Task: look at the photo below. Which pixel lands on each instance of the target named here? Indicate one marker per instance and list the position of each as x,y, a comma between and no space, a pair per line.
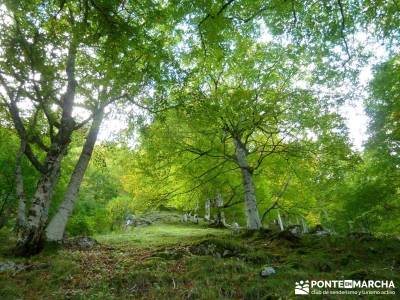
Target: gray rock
12,266
322,233
235,227
211,248
9,266
295,230
267,271
84,242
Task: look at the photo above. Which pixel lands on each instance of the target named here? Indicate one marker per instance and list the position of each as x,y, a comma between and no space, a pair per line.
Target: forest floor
167,261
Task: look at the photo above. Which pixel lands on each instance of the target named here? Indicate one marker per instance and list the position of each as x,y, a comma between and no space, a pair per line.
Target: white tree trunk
55,229
219,202
252,215
220,215
207,213
280,221
19,184
222,218
30,240
304,225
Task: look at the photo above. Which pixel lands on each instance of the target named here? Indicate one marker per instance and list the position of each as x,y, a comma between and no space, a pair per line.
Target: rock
322,233
171,254
295,230
235,227
318,230
211,249
84,242
9,266
140,222
288,236
267,271
12,266
213,246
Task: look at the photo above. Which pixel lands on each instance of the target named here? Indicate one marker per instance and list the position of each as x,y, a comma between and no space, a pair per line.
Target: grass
159,235
169,261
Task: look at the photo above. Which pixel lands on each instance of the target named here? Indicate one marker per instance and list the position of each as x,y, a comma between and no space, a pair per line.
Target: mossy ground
169,261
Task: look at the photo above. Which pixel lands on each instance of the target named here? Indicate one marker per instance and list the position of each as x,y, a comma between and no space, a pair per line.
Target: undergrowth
191,262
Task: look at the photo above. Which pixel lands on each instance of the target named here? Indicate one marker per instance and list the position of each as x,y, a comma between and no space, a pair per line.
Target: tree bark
252,215
304,225
219,216
219,203
19,188
30,240
280,221
5,209
56,228
207,212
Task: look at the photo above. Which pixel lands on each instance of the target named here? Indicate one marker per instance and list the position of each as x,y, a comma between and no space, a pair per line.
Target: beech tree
57,59
241,109
65,63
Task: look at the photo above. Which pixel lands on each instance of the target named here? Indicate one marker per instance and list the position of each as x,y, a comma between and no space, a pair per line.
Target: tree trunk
219,201
30,240
280,221
252,215
19,188
304,225
56,228
5,210
207,212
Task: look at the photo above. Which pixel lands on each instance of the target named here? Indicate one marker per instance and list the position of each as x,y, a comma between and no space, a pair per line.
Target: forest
220,149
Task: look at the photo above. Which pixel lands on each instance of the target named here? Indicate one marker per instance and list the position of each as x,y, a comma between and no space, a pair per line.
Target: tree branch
342,29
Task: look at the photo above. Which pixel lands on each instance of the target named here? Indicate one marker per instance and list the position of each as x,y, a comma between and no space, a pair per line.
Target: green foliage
8,150
118,209
99,189
200,75
371,194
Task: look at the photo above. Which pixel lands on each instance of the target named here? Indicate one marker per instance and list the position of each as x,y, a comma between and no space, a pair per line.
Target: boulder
318,230
227,253
83,242
288,235
322,233
140,222
295,230
267,271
